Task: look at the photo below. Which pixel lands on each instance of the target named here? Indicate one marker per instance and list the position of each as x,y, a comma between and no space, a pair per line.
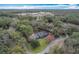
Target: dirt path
53,43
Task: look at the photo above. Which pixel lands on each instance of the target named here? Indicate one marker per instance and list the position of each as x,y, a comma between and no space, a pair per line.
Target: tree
71,29
17,49
24,27
35,44
71,45
71,18
56,50
5,22
4,42
19,42
17,38
27,29
4,49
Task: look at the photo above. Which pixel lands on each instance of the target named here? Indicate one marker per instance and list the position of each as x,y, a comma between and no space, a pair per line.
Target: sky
39,6
39,1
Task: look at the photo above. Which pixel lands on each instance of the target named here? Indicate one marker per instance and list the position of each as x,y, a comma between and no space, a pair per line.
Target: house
38,35
42,34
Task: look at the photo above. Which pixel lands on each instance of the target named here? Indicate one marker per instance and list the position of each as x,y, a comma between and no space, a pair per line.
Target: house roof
38,35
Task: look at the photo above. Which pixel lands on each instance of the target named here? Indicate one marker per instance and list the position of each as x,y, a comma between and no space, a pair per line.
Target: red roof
50,37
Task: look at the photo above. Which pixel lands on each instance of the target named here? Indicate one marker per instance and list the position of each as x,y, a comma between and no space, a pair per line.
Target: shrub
35,44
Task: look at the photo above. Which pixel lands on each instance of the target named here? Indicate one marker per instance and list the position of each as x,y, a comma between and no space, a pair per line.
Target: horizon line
39,6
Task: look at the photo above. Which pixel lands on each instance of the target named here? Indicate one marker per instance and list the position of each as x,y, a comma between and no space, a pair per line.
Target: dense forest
39,31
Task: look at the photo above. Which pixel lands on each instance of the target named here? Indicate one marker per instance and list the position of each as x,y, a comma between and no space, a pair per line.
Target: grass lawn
43,43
